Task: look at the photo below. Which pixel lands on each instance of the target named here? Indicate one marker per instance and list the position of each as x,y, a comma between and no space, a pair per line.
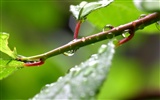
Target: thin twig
84,41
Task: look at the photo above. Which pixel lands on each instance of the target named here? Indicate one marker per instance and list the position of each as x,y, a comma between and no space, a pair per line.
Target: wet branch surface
84,41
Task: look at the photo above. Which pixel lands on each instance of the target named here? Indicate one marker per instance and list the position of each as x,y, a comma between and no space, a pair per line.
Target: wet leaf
148,5
4,45
9,66
118,13
82,81
84,8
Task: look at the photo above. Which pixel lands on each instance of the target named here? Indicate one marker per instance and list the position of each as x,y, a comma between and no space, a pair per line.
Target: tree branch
84,41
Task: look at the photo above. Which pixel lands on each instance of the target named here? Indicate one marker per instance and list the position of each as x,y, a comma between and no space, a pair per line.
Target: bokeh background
37,26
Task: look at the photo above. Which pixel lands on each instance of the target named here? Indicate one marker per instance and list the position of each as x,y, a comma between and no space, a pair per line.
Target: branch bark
84,41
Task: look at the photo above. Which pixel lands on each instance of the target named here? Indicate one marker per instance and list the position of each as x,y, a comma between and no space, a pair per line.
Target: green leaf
9,66
118,13
148,5
4,45
82,81
84,8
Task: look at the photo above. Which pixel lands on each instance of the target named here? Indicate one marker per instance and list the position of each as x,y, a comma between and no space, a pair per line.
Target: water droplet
115,41
126,33
110,36
102,48
60,78
92,63
141,26
88,72
142,16
69,53
94,56
107,27
75,69
46,88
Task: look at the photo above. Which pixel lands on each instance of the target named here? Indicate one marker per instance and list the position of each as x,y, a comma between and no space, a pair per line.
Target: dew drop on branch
107,28
102,49
69,53
125,34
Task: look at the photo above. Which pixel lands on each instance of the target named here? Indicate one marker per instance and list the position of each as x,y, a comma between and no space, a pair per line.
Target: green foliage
118,13
82,10
4,45
83,81
9,66
124,78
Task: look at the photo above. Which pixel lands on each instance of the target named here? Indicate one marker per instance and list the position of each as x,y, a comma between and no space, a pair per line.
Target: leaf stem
76,31
84,41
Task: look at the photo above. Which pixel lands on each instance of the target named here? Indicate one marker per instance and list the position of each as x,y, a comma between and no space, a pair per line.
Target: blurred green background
42,25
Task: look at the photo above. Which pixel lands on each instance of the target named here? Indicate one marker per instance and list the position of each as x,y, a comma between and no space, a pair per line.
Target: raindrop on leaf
88,72
102,48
